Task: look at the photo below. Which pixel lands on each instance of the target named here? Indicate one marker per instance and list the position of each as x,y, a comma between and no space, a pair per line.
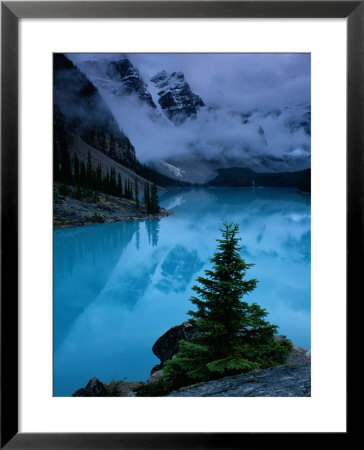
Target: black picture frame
11,13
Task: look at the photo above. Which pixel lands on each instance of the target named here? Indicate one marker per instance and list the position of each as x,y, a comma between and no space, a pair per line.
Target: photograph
181,225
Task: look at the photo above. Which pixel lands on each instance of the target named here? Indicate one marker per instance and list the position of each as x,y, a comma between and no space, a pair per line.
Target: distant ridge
244,177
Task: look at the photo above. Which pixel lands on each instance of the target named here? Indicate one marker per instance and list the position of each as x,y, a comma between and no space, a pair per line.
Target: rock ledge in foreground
281,381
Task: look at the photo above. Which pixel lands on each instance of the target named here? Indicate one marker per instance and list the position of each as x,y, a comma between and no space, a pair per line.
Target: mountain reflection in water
119,286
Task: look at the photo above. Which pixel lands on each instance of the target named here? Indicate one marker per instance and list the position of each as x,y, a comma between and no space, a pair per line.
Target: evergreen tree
66,170
154,202
120,186
78,194
82,173
89,170
106,182
233,336
125,189
98,184
76,170
147,197
136,193
59,142
113,189
56,164
130,190
56,167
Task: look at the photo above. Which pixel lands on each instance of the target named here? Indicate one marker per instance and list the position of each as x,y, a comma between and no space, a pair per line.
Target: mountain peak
121,69
118,77
176,98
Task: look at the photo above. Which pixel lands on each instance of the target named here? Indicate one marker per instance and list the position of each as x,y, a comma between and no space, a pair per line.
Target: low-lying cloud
214,135
252,124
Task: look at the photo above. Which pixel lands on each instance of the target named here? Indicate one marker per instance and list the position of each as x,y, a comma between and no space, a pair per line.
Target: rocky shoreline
290,380
280,381
100,208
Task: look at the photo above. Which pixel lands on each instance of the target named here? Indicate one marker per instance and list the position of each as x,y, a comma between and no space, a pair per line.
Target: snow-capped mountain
176,99
129,80
118,78
175,132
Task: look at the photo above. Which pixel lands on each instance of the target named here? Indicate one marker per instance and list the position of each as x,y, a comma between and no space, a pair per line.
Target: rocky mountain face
118,78
176,99
130,80
80,110
177,134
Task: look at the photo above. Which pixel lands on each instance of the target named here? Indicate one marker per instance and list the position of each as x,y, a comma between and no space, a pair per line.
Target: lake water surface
120,286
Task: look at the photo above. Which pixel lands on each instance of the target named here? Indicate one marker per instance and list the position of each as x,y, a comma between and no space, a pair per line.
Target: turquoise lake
118,287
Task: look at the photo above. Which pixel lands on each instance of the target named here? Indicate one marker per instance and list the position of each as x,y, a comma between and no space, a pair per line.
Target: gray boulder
122,389
167,345
155,376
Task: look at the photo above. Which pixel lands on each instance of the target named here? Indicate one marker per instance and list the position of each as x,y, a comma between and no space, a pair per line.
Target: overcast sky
238,81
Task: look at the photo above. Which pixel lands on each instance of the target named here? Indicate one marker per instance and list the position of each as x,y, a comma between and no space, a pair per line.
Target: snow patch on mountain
154,94
176,171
